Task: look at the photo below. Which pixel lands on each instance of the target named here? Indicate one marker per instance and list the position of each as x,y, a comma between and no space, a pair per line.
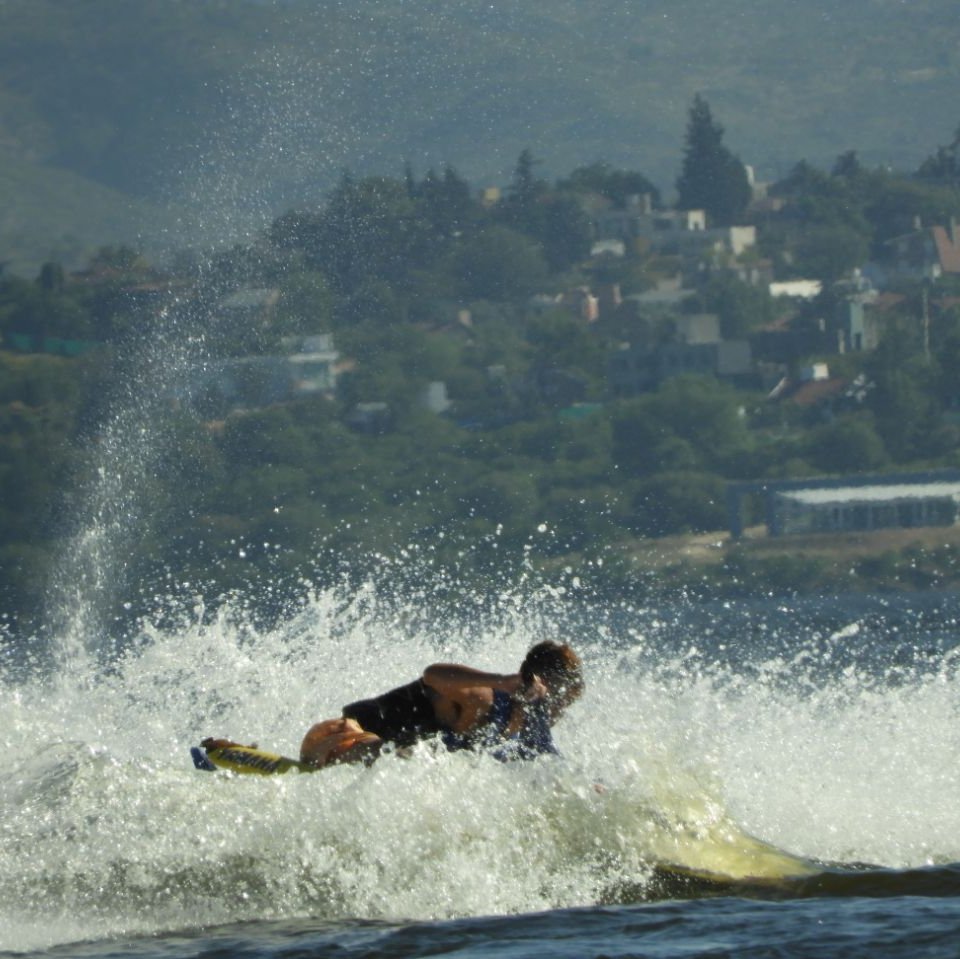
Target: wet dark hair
557,665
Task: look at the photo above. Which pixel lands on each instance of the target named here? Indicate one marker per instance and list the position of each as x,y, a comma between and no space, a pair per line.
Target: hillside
240,109
50,213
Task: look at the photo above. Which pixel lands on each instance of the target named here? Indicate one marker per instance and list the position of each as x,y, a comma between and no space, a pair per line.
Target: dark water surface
902,926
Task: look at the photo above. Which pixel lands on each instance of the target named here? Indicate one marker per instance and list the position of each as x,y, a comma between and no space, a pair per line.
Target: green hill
54,214
238,109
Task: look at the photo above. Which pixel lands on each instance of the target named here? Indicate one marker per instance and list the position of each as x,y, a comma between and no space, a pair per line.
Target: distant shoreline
713,565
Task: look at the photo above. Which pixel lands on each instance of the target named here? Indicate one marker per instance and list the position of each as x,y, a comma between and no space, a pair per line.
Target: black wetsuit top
403,715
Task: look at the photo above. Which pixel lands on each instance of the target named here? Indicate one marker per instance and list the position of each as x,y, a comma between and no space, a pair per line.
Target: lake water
710,738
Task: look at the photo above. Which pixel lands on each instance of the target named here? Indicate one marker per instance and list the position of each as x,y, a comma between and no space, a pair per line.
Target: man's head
558,667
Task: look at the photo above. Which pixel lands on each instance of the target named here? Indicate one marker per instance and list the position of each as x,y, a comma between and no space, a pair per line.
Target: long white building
858,508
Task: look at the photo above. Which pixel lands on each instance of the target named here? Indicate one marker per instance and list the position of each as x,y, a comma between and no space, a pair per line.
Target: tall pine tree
521,208
712,178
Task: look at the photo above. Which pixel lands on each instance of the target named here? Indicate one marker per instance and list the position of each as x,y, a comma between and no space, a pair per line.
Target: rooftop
872,494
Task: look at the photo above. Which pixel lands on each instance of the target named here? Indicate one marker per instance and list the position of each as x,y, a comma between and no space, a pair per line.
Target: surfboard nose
200,760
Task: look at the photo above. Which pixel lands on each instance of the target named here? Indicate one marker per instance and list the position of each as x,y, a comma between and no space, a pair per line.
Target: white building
670,231
860,508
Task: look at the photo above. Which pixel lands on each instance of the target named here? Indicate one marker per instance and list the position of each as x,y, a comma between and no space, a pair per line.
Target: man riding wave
509,714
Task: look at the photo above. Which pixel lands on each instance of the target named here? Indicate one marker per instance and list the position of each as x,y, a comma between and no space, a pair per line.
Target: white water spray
107,829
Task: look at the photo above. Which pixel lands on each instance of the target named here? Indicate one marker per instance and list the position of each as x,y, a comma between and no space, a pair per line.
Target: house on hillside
666,295
786,341
250,305
309,366
579,301
435,398
312,363
682,232
853,325
697,328
610,248
856,328
796,289
757,273
924,253
815,390
695,346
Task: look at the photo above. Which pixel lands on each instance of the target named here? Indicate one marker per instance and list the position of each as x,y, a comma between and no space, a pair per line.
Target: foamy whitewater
837,744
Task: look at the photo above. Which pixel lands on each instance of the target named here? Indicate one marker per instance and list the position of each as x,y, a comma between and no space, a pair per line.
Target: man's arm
453,680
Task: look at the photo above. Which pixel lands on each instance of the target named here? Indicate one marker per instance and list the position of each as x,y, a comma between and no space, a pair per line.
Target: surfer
510,714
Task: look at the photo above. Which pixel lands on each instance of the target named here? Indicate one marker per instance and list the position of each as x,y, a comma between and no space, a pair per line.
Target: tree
562,341
712,178
691,422
905,411
945,345
804,178
943,166
895,203
704,411
679,502
554,219
40,309
444,202
443,211
847,165
52,277
524,192
850,444
306,305
566,235
828,253
616,185
367,231
499,264
523,207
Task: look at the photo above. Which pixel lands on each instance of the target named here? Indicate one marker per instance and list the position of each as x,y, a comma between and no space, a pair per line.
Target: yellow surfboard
213,754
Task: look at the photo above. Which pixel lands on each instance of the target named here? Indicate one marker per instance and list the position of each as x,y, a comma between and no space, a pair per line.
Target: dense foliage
419,282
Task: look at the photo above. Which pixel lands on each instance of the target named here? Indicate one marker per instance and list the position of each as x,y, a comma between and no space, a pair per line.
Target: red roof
887,301
947,250
815,391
